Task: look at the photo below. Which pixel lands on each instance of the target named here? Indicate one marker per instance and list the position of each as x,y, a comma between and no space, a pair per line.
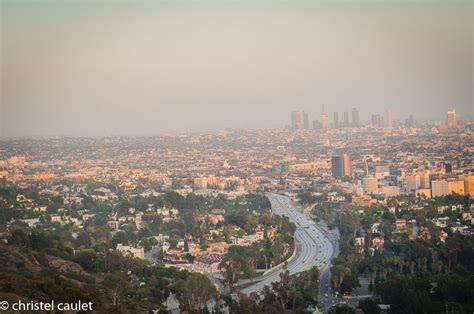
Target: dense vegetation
113,283
414,274
65,263
296,293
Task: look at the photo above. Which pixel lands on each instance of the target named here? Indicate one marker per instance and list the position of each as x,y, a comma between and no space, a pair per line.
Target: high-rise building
347,165
355,117
305,120
413,182
336,120
325,123
341,165
425,179
407,123
388,121
296,120
345,120
369,184
412,121
442,128
317,125
451,118
337,166
377,121
324,119
439,188
445,187
456,186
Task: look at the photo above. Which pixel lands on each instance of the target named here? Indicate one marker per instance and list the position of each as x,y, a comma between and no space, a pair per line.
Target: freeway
325,297
314,246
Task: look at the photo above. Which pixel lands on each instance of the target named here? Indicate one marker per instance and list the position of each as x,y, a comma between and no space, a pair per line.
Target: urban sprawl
332,215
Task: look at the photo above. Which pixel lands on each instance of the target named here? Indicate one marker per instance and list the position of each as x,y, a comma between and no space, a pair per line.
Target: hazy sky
142,68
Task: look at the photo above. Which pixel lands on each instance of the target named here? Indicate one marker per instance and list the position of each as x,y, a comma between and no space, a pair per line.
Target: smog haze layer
95,68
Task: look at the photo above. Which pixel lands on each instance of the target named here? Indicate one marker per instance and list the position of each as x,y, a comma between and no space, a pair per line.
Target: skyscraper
341,165
317,125
296,120
388,123
346,119
451,118
324,119
355,117
412,121
337,166
377,121
347,165
305,120
336,120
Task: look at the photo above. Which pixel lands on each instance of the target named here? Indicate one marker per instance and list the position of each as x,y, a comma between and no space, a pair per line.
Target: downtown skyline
307,121
313,120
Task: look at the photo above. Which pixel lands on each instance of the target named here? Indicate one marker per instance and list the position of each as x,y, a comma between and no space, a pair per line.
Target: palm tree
294,295
452,247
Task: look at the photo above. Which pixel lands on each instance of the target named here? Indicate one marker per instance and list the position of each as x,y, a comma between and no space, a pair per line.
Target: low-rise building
138,252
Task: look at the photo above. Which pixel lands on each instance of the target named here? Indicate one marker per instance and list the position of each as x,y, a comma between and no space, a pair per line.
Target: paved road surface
314,246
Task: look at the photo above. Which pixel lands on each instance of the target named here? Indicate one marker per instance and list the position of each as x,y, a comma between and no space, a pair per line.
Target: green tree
118,285
369,306
196,291
341,309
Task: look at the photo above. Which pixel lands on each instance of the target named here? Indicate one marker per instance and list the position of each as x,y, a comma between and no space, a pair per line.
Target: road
150,255
325,297
314,245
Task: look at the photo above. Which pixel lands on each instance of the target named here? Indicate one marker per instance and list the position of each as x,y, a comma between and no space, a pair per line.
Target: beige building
205,181
309,166
451,119
55,218
369,185
413,182
456,186
390,190
347,165
439,188
131,251
425,180
446,187
423,192
469,185
363,200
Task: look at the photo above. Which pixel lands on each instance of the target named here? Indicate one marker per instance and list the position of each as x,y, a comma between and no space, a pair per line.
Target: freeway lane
314,246
325,297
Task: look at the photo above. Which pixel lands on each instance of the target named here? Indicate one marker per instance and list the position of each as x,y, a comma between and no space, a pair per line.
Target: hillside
29,275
